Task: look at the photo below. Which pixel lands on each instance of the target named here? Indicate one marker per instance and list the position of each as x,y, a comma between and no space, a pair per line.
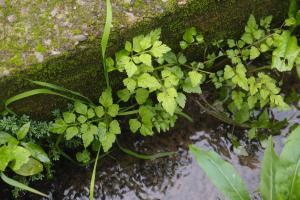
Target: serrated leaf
254,53
130,84
141,95
83,157
69,117
59,126
113,110
22,132
168,101
114,127
80,108
222,174
228,72
123,94
195,78
134,125
99,110
146,59
106,99
181,100
71,132
148,81
158,49
189,35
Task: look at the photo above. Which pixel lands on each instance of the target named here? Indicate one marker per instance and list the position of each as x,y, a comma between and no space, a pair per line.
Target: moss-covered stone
78,66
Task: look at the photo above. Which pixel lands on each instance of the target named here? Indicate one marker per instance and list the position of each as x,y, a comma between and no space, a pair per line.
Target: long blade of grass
143,156
59,88
92,184
33,93
17,184
105,38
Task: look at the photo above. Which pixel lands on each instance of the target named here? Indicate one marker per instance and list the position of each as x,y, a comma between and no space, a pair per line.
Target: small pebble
79,38
11,18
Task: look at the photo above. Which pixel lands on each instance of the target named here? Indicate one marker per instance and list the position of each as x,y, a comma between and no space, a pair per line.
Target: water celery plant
156,86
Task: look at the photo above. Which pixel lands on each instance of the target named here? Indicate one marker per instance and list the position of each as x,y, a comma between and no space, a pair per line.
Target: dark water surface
175,178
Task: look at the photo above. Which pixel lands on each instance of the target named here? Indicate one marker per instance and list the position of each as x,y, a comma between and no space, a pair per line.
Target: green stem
259,69
128,113
92,184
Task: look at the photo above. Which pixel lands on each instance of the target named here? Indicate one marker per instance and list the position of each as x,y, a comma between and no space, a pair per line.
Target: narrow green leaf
92,184
268,171
221,173
22,132
22,186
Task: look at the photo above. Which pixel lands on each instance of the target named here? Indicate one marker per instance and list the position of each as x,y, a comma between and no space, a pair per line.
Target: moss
80,69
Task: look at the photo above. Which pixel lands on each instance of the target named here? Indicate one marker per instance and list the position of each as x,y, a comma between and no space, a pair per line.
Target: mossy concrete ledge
58,41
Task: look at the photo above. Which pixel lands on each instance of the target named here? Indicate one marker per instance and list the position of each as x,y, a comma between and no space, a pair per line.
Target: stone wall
58,41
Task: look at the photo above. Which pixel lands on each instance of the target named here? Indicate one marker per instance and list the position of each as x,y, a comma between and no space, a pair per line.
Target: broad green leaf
268,171
80,108
106,99
30,168
69,117
146,114
22,132
146,59
82,119
285,54
88,135
37,152
242,115
134,125
189,34
145,42
20,156
222,174
288,174
5,158
148,81
141,95
168,100
113,110
128,46
188,87
195,77
155,35
146,130
108,141
71,132
99,110
181,100
6,138
124,94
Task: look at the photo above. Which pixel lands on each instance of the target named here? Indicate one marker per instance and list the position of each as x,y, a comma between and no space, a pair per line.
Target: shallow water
175,178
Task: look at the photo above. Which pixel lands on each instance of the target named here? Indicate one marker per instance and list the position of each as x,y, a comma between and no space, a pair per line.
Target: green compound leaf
221,173
285,54
114,127
168,100
59,126
106,99
22,132
134,125
141,95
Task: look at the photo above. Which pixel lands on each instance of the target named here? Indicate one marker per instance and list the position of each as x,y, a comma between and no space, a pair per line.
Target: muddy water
175,178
